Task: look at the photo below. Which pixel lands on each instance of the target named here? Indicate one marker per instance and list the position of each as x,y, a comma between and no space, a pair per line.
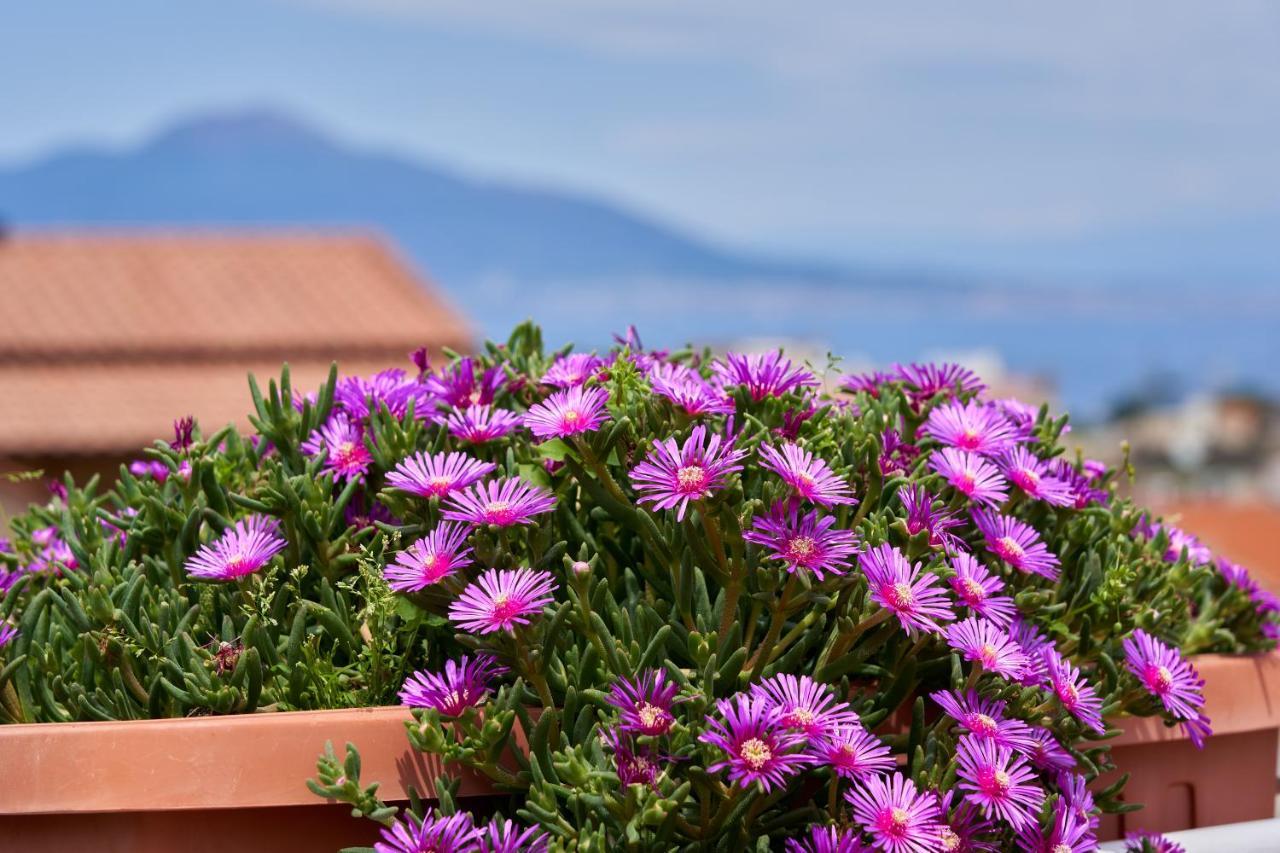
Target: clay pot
201,784
1231,780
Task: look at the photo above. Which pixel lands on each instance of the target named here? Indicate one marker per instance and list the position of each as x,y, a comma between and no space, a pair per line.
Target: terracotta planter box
1233,779
200,784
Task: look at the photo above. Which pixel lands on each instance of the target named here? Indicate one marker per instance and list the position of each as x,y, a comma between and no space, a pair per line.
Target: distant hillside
261,168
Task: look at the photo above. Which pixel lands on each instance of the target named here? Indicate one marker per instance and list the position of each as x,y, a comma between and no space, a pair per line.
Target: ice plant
569,412
925,380
635,764
431,834
1074,692
480,423
459,387
998,782
828,839
7,633
757,748
500,599
972,475
1031,474
924,517
974,426
507,836
437,475
809,477
1017,543
340,442
976,588
904,589
1046,753
501,503
674,474
1065,834
431,559
644,702
686,389
241,550
851,751
985,719
572,370
1165,674
986,643
463,684
1150,842
809,542
805,705
763,374
898,817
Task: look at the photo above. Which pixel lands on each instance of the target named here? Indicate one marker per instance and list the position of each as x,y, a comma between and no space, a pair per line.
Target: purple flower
458,387
810,477
984,718
434,834
902,588
241,550
502,503
922,516
971,475
869,383
1046,753
1142,841
437,475
763,375
689,391
1067,834
998,782
1017,543
1031,474
569,412
852,752
500,599
507,836
143,468
963,828
1034,645
979,427
1076,793
1079,485
462,685
1074,692
480,423
341,443
183,433
673,474
805,705
757,747
644,702
899,818
1179,541
925,380
976,587
982,641
1165,674
803,542
7,634
391,388
569,371
896,455
1197,730
827,839
431,559
635,765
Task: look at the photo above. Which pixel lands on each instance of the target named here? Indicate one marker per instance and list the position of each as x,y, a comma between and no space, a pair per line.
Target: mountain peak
262,127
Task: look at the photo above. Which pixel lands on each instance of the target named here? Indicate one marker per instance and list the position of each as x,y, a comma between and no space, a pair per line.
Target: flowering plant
719,602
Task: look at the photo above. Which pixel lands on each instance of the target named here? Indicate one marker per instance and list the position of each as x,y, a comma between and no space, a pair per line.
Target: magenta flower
437,475
569,412
803,542
569,371
1165,674
1031,474
635,765
899,818
500,599
998,782
982,641
1142,841
810,477
1074,692
827,839
900,587
673,474
984,718
1179,541
763,375
976,587
925,380
479,424
341,443
1067,834
462,685
434,833
241,550
963,830
971,475
805,705
1017,543
391,388
896,455
1080,486
144,468
757,747
1046,753
644,702
686,389
1076,793
922,516
1034,645
868,383
507,836
458,387
502,503
7,634
979,427
852,752
431,559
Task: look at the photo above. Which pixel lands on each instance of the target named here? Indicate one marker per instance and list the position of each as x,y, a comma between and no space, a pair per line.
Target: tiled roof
109,337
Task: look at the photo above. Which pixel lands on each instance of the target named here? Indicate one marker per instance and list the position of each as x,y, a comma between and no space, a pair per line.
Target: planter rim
228,762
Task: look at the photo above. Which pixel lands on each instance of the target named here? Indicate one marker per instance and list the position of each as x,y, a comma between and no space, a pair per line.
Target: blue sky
988,134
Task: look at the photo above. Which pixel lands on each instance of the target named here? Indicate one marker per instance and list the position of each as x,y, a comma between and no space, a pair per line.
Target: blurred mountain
266,168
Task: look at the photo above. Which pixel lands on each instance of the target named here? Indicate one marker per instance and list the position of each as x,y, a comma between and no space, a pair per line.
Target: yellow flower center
755,753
